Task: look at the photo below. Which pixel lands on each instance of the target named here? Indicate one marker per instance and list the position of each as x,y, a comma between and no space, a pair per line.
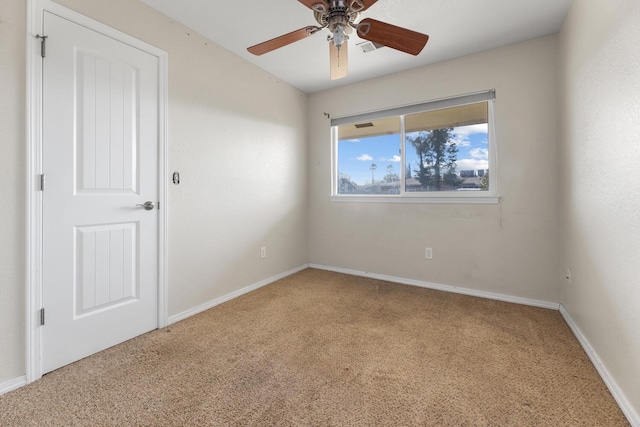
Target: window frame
490,196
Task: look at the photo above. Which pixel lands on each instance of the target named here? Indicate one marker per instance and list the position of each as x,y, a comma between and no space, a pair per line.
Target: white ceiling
455,27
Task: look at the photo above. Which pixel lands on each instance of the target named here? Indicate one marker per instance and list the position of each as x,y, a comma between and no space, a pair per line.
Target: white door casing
100,141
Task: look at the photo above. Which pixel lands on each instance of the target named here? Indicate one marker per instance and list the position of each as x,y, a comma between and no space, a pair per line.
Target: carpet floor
325,349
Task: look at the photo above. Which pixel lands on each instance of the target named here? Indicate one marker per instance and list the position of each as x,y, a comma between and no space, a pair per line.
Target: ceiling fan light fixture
339,37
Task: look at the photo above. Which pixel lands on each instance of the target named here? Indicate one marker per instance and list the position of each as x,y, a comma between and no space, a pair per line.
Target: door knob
147,205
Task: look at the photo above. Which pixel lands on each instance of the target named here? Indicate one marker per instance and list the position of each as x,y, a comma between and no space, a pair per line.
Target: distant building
347,187
467,174
481,172
472,182
412,184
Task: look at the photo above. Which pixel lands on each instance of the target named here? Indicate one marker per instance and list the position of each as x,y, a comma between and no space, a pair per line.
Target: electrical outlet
428,253
567,275
263,252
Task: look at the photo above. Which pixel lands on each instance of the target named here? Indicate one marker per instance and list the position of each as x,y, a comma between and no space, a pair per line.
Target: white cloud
465,131
461,141
472,164
479,153
461,134
395,159
364,158
355,141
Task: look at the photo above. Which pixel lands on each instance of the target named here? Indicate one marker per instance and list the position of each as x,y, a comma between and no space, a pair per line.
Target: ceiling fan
339,17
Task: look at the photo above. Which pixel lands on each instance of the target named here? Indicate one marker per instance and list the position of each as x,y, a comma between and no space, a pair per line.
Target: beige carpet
325,349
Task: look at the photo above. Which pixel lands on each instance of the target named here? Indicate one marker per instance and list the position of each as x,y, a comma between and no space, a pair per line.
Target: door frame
34,208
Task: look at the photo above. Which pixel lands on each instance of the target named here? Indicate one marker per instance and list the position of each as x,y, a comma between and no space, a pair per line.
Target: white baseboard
618,395
228,297
439,287
13,384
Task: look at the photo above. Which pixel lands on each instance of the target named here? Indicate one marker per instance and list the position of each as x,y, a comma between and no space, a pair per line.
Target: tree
373,168
391,175
484,181
437,155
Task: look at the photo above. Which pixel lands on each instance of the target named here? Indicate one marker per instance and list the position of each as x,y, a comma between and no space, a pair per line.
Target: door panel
106,269
107,102
100,158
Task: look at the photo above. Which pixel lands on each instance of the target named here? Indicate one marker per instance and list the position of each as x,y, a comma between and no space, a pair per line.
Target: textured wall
13,19
600,110
510,248
237,135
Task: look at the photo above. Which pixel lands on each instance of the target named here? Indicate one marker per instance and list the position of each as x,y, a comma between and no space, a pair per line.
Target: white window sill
485,199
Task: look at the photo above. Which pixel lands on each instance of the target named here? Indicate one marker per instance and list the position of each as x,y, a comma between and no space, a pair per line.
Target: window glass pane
448,149
369,157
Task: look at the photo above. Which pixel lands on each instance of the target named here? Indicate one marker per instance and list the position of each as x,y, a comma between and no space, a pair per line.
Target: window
439,151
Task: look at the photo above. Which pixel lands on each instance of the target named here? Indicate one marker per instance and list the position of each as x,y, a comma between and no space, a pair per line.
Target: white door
100,160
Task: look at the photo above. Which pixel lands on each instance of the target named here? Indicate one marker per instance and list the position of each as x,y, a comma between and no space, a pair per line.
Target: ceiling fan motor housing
338,14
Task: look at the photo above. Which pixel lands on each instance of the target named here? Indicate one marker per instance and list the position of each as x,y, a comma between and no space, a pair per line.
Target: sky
355,156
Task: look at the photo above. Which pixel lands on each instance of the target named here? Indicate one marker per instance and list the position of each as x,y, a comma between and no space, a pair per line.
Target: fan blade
339,60
391,36
284,40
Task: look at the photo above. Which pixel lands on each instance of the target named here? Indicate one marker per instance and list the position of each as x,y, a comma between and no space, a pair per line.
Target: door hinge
42,182
42,316
43,44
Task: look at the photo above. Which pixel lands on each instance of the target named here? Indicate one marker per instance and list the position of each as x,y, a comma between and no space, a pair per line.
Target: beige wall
13,18
236,134
600,115
510,248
